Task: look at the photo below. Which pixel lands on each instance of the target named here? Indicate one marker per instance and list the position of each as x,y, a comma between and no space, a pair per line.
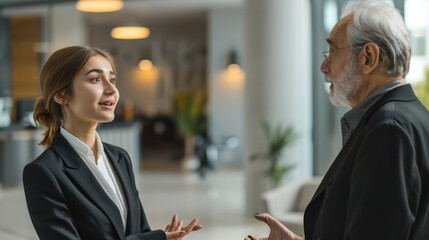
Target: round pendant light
130,32
99,6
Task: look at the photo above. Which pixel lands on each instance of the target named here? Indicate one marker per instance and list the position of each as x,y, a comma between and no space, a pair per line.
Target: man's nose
324,67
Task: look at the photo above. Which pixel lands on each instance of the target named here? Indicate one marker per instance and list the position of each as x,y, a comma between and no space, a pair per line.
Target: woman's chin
107,119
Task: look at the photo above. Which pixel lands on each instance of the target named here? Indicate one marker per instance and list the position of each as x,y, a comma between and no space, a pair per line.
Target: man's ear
370,55
60,98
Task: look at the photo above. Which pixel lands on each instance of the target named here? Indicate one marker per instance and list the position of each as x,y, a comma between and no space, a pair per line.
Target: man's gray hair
380,23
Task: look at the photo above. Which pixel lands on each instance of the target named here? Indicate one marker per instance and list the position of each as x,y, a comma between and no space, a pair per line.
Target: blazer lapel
85,180
119,165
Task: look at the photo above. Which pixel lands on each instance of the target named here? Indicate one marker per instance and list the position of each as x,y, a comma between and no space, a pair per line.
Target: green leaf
277,139
189,111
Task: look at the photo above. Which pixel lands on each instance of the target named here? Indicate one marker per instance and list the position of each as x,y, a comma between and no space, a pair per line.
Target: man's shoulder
398,113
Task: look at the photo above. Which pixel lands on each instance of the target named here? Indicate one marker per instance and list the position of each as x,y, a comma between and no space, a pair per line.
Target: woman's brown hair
57,76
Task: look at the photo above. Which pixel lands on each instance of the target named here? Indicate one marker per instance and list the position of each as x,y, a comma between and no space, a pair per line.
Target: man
378,186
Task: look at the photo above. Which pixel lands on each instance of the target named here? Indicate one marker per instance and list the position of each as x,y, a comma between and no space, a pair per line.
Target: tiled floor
217,201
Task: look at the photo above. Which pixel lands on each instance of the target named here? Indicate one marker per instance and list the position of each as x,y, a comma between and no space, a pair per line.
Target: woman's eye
113,81
96,79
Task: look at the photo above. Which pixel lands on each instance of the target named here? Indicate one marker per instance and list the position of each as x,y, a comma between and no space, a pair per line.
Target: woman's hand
176,231
277,230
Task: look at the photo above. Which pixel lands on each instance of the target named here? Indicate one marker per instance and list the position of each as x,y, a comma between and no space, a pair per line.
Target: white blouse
101,169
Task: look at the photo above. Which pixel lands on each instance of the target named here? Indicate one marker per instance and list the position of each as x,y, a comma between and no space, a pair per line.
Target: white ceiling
140,11
144,11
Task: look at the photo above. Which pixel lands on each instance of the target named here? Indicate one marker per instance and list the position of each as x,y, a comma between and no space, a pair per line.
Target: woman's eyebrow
97,70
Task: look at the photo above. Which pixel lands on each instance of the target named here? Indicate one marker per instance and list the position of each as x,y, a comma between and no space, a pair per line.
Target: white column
67,27
226,89
277,50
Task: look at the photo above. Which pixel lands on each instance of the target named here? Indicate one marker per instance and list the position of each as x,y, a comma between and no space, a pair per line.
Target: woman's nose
110,88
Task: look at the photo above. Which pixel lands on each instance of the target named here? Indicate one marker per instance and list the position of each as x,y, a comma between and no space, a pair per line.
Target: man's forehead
339,30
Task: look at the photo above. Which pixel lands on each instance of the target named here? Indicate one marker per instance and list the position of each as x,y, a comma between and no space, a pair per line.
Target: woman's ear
370,57
60,98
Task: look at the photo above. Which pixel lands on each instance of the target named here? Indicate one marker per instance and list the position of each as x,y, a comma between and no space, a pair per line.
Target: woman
79,187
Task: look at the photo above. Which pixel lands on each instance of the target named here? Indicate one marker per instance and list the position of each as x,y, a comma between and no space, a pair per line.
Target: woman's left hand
176,231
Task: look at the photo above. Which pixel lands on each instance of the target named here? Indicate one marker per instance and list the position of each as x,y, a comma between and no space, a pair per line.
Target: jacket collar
82,176
403,93
125,178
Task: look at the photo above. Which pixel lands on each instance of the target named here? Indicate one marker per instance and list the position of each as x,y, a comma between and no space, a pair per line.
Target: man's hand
277,230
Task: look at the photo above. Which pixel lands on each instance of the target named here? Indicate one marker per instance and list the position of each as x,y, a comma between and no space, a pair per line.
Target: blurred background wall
275,44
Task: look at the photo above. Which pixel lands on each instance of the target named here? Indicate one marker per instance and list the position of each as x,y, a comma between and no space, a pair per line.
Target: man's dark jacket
378,186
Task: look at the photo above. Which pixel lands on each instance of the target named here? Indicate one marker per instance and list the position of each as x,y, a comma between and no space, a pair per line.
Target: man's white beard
345,85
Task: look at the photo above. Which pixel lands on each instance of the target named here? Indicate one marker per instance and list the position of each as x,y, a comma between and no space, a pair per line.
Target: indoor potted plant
277,139
189,111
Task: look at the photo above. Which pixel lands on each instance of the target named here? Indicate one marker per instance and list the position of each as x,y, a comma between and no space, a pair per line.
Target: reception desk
19,145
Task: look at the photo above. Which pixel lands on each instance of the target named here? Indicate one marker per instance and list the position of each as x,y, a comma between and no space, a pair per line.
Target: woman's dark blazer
378,186
65,200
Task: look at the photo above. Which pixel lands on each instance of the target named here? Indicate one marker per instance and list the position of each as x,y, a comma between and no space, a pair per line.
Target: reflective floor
217,201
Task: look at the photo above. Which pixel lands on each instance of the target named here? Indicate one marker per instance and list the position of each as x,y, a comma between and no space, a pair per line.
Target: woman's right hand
277,230
176,231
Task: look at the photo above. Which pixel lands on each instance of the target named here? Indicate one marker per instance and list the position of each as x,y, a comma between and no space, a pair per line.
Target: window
416,20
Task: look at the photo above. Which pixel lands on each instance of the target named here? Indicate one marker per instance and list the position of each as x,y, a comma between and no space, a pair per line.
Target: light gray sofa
288,202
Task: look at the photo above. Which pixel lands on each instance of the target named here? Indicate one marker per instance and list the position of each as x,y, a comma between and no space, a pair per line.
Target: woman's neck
86,134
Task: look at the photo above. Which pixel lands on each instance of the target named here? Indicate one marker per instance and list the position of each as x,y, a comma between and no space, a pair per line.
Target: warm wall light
130,32
98,6
233,66
145,65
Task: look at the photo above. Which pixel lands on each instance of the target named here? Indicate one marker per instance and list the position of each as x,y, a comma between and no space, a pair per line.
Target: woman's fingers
193,226
179,226
197,227
175,234
174,222
176,225
173,226
190,225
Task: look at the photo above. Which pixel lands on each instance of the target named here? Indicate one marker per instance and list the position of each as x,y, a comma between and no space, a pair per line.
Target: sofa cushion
305,194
